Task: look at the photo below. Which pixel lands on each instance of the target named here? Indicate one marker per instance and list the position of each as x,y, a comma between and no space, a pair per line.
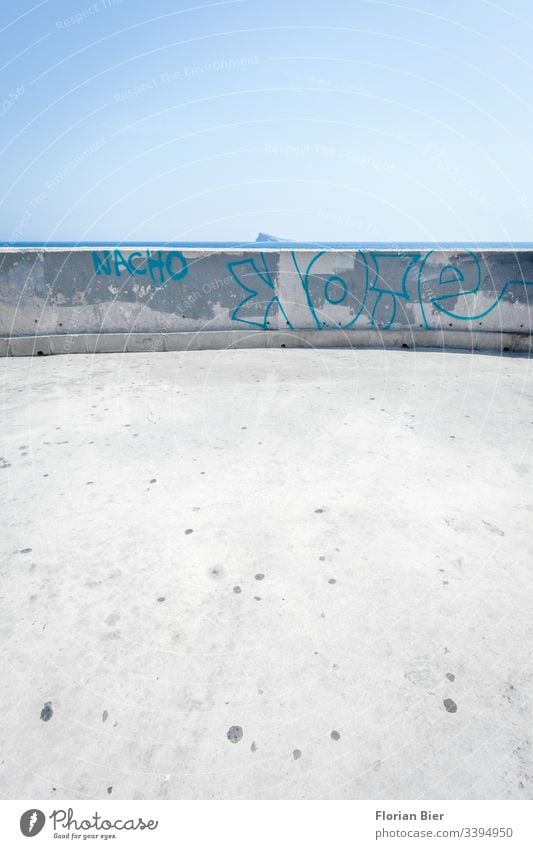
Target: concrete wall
59,299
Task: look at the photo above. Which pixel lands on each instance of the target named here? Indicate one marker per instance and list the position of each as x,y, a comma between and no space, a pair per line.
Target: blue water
282,244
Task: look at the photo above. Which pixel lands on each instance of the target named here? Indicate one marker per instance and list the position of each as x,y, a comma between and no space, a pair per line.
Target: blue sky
359,120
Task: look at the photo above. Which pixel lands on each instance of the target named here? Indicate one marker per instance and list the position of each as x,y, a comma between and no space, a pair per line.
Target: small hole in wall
283,345
40,353
405,345
35,320
506,349
450,324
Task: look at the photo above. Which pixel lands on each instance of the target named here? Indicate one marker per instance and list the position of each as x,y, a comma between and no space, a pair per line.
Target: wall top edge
209,247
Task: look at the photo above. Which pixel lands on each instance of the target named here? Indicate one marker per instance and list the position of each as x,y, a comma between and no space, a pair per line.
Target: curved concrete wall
55,300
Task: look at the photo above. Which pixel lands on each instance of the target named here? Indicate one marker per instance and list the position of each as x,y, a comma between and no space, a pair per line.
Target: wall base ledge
102,343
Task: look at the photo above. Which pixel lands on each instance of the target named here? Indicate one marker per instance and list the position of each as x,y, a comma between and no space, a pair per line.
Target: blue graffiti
378,283
259,284
467,284
335,289
160,266
386,293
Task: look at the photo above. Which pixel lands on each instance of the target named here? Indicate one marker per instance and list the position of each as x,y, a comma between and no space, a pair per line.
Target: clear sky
320,120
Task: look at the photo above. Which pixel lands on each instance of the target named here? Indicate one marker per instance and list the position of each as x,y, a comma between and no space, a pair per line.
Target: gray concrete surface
211,340
61,295
267,574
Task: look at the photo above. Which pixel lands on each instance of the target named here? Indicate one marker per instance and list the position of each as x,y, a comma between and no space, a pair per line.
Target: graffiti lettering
160,266
259,284
380,289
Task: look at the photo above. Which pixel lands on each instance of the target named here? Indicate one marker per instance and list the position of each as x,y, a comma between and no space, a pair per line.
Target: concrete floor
330,551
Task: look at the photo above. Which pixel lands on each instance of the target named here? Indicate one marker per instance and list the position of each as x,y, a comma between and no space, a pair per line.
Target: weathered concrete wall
391,295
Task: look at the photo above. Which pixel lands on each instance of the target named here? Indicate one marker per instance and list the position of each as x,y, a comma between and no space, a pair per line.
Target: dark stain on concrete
332,581
259,576
234,734
47,712
320,510
494,529
237,589
296,754
450,705
25,550
450,676
161,598
335,735
188,530
104,716
253,747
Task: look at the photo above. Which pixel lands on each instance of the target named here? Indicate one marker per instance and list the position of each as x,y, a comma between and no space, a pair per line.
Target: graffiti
378,289
173,289
391,277
325,292
259,284
160,266
467,286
